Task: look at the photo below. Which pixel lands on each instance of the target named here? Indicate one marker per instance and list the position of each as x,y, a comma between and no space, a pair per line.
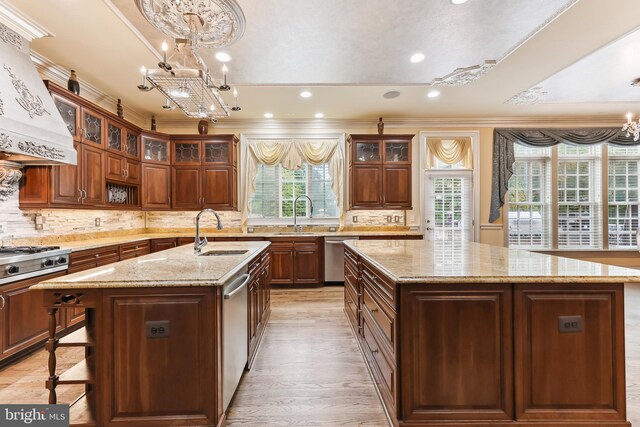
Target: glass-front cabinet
367,152
397,151
186,153
132,145
92,128
70,113
216,152
114,137
155,150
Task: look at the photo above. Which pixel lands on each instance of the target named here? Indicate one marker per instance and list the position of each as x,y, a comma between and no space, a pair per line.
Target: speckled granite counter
175,267
422,261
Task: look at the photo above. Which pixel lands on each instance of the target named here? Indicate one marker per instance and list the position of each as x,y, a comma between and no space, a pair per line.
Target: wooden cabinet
66,185
258,300
93,127
92,175
380,171
204,172
24,324
122,140
155,148
134,249
156,185
69,110
296,261
122,169
91,258
158,245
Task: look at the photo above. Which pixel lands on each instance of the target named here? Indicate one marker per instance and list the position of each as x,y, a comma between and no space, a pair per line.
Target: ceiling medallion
219,23
529,96
463,76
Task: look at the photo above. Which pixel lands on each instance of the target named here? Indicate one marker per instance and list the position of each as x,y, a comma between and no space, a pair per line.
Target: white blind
530,216
579,197
624,167
277,188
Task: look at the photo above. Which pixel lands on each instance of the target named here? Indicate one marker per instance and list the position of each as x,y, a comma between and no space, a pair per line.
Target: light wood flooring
308,371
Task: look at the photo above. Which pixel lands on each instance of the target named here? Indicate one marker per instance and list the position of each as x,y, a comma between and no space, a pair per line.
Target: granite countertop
423,261
174,267
77,245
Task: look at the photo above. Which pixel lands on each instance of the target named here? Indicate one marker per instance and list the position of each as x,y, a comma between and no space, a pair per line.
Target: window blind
624,167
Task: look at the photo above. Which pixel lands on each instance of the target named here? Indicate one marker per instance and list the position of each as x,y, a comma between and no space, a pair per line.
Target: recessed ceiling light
391,94
433,94
319,115
223,57
417,57
268,116
305,94
458,1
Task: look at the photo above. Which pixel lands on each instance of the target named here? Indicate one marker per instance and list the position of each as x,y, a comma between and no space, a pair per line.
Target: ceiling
349,55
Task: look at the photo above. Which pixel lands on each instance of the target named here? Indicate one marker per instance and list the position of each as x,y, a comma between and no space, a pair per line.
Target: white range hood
31,128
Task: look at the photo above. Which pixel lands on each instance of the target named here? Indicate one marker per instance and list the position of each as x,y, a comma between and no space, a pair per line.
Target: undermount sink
292,233
224,252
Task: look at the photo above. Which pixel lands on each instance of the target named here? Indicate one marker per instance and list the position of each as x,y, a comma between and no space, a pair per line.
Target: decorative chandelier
183,78
631,127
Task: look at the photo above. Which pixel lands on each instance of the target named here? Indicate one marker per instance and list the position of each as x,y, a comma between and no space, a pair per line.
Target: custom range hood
31,128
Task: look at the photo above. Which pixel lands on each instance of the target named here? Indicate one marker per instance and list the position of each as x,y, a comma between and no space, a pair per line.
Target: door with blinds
449,205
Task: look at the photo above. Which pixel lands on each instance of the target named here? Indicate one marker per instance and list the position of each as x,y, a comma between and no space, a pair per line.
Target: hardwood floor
308,371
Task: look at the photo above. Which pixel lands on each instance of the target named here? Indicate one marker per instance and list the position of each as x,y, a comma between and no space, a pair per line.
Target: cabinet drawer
91,258
384,287
383,370
382,316
351,258
350,275
351,307
134,249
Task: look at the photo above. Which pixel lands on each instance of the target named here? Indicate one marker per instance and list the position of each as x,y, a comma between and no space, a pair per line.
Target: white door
449,205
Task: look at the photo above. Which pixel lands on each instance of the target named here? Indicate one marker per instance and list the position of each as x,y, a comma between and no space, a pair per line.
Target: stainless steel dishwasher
234,333
334,258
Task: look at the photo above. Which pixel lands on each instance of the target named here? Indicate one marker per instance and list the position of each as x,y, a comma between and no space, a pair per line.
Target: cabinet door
252,321
115,137
282,264
217,185
186,190
155,150
397,150
367,151
66,183
306,264
132,144
24,319
156,184
115,170
366,188
216,153
70,113
186,153
93,176
158,245
34,185
132,171
93,128
396,187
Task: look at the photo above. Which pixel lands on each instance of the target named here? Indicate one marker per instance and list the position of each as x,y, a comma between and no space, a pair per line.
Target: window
449,205
623,196
277,188
571,210
530,199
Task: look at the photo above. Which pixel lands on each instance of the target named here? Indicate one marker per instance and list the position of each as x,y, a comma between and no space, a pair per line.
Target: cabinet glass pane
114,137
132,144
396,152
155,150
69,115
187,153
92,128
216,153
367,152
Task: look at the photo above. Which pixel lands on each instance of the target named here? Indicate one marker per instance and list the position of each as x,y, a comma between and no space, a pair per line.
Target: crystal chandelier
183,78
631,127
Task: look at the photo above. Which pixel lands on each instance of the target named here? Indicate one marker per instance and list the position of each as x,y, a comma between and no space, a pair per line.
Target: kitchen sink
224,252
292,233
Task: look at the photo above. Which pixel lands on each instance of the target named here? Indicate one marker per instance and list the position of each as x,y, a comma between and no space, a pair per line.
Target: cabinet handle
122,174
375,351
96,256
373,310
3,302
80,196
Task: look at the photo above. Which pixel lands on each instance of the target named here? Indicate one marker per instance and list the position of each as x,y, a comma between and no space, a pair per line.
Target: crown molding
13,18
189,126
57,74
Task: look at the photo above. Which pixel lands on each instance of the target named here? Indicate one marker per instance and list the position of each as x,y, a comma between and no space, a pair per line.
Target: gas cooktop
20,250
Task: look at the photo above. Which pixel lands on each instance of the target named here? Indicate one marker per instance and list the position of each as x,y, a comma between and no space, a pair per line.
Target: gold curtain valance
450,151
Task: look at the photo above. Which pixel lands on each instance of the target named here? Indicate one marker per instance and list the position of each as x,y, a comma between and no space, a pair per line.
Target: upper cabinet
155,148
93,128
70,113
380,171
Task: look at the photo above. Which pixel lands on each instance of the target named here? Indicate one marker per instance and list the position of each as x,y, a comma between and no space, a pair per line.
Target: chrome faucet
201,243
297,227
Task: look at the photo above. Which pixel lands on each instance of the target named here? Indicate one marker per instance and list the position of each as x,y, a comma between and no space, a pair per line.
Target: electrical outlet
250,229
569,324
158,328
354,218
396,218
333,229
97,221
38,220
388,218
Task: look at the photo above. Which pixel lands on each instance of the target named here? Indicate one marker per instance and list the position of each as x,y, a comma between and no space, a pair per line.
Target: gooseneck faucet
297,227
201,243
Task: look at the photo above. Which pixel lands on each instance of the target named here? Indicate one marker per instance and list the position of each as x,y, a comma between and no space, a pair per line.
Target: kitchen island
460,334
157,334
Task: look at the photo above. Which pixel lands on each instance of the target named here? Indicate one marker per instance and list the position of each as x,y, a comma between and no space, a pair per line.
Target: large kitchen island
466,334
167,335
